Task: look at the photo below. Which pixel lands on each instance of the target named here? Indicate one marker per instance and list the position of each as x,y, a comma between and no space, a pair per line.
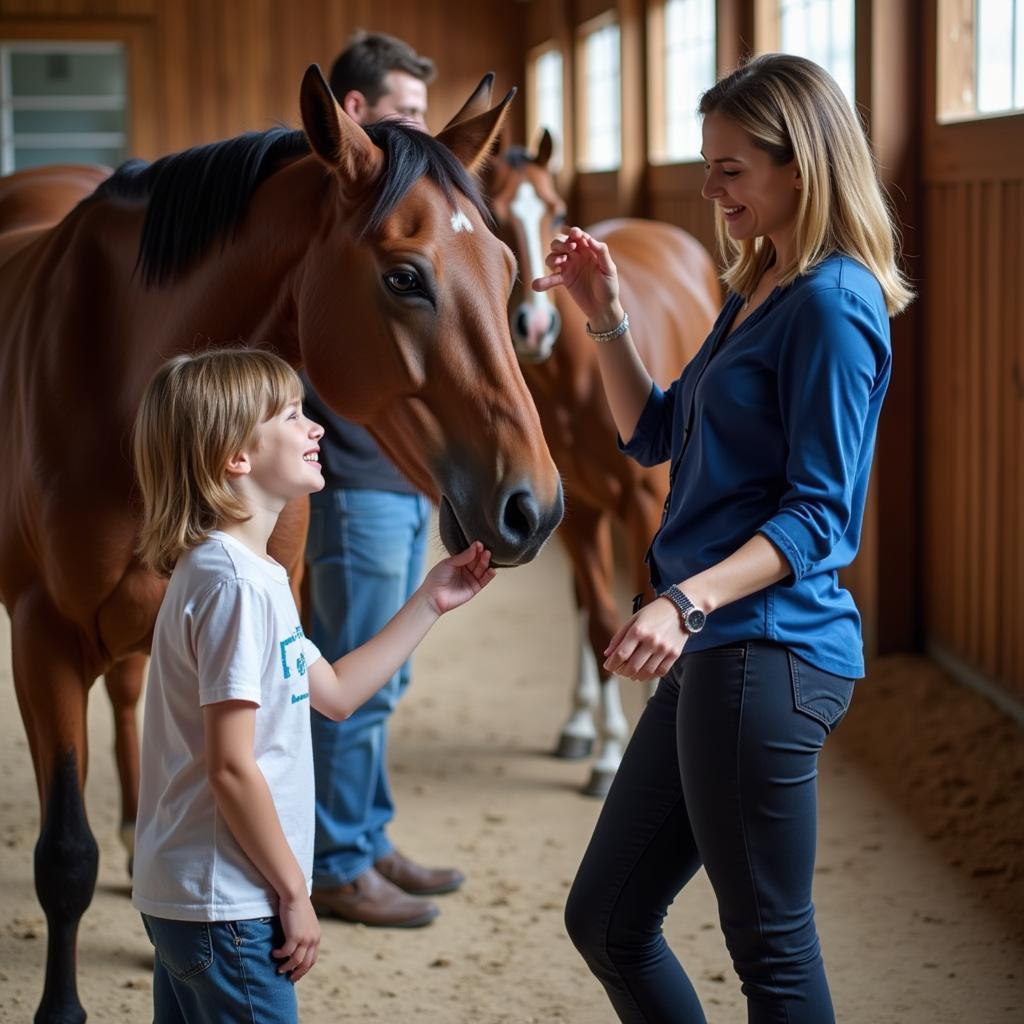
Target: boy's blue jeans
219,972
365,553
721,772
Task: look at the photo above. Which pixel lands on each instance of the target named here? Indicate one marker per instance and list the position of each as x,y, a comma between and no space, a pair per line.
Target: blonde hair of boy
197,412
794,110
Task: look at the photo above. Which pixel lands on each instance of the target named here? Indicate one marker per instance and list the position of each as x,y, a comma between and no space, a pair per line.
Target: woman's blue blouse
771,430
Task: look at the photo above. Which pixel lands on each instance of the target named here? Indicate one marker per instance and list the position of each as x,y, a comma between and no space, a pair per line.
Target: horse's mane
201,194
518,156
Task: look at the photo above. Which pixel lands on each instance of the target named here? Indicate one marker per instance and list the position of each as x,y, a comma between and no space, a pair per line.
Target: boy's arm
337,690
244,799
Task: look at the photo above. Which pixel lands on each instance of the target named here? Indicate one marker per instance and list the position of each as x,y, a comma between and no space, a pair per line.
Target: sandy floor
919,885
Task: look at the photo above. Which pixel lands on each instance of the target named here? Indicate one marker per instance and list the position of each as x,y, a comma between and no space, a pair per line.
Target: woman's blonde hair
197,412
794,110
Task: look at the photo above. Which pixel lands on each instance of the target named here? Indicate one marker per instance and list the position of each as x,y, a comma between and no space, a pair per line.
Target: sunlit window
547,105
822,31
980,58
683,64
999,55
601,148
62,102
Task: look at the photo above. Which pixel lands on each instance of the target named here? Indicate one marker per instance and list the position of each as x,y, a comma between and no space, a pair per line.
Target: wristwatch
690,615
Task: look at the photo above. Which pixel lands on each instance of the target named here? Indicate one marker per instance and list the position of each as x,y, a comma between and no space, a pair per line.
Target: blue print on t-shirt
300,660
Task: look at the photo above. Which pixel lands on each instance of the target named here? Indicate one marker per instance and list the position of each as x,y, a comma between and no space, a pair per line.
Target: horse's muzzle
514,530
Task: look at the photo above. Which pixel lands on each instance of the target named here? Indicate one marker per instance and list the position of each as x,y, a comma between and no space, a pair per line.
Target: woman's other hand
648,644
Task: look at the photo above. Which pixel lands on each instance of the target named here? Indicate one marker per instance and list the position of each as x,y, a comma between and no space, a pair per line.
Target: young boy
224,839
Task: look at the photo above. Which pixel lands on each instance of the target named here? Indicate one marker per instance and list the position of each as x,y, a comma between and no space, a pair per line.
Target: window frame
986,148
581,142
143,123
10,140
956,66
656,84
559,158
768,37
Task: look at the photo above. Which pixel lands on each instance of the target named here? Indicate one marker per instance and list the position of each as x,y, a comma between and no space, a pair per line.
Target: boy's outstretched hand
455,580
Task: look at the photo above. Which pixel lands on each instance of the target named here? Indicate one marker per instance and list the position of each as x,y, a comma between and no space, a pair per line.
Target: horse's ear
471,140
336,139
477,103
545,148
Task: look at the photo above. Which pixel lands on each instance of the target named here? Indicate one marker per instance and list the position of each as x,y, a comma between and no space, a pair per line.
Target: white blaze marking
460,222
528,208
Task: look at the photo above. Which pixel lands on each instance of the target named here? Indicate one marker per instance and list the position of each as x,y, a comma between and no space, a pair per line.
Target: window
62,102
546,103
682,62
601,145
821,30
981,58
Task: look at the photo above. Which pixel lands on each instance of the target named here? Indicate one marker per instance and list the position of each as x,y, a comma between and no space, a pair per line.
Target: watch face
695,620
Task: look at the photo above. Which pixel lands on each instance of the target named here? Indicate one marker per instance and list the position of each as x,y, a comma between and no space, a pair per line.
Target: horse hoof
599,783
573,748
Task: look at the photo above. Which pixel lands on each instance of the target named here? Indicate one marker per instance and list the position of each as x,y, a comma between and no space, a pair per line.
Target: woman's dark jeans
721,772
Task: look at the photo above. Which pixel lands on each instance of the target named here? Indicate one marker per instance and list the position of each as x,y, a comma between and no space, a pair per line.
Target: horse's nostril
522,324
520,516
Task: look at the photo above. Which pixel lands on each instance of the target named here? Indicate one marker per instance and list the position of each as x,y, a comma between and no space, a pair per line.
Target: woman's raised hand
584,267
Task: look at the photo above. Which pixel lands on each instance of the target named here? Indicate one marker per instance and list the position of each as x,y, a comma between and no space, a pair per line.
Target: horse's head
402,323
528,211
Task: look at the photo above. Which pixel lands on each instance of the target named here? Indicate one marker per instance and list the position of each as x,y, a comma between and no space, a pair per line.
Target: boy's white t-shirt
228,629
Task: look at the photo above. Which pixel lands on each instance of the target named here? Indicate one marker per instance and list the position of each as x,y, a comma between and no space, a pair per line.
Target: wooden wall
205,69
973,386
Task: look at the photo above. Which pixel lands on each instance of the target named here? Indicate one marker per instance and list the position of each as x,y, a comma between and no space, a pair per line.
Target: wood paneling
219,68
973,388
974,426
674,196
888,81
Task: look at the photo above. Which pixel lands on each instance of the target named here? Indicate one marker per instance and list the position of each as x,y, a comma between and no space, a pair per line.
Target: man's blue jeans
721,771
219,972
365,557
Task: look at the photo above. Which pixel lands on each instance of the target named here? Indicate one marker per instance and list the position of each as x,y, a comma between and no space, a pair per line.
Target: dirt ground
919,882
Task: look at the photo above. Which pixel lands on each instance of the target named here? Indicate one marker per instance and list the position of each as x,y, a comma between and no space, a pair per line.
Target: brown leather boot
417,880
371,899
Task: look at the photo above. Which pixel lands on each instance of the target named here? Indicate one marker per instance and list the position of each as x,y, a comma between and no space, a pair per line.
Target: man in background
365,553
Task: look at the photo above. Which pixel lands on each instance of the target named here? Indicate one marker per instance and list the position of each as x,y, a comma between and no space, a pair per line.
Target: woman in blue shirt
769,432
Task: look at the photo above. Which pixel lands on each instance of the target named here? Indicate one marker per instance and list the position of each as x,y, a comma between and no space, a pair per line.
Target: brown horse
362,254
670,285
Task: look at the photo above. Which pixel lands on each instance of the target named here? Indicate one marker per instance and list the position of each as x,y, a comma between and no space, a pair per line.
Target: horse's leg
124,685
576,739
52,677
587,535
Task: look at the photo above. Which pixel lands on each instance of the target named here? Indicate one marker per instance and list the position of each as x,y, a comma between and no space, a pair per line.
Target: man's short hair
366,60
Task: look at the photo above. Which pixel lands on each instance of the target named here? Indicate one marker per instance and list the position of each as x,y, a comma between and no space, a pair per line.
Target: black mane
201,194
518,156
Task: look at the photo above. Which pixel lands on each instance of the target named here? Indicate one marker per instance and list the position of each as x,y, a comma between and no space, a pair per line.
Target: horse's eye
402,282
557,220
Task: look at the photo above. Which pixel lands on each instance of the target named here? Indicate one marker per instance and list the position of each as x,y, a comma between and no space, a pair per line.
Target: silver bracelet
615,332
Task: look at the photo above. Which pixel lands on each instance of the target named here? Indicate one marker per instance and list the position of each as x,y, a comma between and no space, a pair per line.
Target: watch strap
684,606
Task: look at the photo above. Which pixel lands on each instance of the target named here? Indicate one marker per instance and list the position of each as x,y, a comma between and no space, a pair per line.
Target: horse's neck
245,290
239,291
